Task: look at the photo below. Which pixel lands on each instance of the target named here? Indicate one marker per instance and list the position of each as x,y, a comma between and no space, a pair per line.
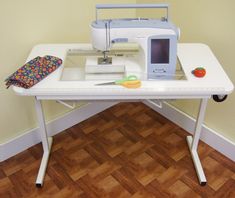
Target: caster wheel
219,98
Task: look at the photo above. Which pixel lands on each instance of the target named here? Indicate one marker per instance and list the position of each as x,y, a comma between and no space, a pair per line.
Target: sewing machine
155,39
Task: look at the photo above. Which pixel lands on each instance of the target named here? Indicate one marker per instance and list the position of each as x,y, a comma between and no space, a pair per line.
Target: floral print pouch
33,71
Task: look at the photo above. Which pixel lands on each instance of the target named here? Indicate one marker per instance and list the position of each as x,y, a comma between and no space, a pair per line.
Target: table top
190,55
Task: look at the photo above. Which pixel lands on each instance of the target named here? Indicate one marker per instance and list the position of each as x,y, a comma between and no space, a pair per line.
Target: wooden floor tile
128,150
182,190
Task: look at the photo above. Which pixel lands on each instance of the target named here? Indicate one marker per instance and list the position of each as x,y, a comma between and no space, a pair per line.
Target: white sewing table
190,56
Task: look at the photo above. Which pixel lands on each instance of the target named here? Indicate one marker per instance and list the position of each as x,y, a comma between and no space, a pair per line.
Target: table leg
193,142
46,143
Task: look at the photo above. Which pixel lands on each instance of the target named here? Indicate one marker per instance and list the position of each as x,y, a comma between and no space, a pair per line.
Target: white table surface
191,55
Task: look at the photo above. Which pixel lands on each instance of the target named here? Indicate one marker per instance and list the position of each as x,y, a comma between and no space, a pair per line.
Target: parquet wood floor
126,151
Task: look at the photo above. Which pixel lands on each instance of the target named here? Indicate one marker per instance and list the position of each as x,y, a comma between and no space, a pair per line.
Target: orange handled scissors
128,82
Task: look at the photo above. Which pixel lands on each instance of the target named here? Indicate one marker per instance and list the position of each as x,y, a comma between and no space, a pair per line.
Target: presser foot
104,60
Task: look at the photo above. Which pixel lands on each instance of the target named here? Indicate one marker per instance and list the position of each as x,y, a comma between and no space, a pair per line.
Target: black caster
219,98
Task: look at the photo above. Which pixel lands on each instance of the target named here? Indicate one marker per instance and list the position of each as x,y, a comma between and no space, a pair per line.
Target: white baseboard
32,137
209,136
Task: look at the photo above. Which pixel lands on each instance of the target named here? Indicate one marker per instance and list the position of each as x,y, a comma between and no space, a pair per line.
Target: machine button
159,71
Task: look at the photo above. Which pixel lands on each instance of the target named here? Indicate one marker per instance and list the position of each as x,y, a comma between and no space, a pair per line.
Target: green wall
26,23
210,22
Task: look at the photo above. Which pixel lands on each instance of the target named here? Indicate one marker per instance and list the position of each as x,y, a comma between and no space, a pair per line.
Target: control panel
162,55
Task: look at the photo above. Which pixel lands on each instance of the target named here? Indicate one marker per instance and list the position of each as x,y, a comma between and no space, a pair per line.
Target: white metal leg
193,142
46,143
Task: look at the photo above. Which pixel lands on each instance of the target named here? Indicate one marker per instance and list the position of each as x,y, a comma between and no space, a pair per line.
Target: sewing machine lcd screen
160,51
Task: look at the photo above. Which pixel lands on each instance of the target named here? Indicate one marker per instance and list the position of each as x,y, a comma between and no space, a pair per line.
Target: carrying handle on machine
128,6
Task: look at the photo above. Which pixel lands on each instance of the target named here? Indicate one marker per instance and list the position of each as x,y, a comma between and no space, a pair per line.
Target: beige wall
26,23
210,22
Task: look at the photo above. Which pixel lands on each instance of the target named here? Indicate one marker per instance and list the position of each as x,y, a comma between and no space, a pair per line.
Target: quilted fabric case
33,71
